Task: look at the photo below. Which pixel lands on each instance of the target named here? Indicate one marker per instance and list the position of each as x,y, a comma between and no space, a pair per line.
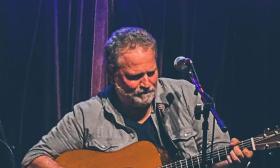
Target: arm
44,162
66,135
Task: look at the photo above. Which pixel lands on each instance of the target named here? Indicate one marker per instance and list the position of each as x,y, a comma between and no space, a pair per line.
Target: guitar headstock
270,139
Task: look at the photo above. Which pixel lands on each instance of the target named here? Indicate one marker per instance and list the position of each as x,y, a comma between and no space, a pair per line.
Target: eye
151,73
134,77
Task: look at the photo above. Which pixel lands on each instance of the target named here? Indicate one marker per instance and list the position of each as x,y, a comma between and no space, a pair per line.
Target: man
136,106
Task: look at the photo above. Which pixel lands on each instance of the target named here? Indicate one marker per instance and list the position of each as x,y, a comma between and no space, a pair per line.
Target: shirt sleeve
66,135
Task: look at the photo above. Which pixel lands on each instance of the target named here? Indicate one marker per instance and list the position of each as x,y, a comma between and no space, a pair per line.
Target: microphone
182,64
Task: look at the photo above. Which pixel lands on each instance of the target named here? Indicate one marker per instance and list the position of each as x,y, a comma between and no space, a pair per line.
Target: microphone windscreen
181,63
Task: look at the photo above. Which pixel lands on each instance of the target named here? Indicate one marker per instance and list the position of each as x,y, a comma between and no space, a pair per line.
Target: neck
146,116
139,115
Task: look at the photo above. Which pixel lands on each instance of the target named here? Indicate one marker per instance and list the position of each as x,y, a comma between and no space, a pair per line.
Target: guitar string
196,162
225,150
190,162
214,155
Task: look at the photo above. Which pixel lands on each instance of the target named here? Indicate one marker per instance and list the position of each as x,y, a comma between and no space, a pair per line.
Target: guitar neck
211,158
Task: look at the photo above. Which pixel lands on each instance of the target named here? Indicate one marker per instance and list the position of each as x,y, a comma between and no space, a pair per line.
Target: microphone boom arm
206,99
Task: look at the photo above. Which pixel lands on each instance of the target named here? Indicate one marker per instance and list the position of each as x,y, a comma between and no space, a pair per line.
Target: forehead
137,60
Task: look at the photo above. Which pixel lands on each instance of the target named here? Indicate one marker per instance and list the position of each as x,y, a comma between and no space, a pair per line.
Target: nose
144,83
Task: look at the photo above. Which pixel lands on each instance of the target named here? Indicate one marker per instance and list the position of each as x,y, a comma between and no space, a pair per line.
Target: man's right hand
44,162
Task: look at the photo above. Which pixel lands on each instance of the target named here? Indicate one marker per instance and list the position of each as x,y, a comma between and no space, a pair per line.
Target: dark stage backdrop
51,58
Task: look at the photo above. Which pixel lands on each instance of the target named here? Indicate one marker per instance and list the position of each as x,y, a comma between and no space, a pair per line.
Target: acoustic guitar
144,154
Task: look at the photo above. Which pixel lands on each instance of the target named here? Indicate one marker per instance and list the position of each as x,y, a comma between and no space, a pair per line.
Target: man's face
136,79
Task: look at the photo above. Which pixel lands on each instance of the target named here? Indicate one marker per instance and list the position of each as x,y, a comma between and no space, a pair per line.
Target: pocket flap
181,134
99,146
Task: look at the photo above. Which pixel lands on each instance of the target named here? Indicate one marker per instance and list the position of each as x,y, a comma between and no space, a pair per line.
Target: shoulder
176,83
88,108
92,103
177,88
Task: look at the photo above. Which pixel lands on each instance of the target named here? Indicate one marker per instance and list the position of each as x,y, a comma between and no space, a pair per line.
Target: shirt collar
162,94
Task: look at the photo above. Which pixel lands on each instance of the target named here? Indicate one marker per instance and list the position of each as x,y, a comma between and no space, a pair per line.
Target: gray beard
138,98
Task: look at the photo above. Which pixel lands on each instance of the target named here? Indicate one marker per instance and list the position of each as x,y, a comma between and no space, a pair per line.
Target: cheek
126,84
153,79
130,84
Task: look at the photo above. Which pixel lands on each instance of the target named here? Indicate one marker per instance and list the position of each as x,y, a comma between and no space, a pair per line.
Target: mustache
144,91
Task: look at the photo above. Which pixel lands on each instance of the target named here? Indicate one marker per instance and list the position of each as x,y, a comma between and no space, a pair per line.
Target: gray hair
127,38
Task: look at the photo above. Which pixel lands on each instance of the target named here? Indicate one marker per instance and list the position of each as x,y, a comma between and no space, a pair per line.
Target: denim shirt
96,124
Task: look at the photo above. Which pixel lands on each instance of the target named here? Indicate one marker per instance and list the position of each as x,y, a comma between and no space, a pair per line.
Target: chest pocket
108,143
182,134
184,139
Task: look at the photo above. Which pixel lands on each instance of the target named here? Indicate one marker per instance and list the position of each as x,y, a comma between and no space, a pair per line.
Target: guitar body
138,155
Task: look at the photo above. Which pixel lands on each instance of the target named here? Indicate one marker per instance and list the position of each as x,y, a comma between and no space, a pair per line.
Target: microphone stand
208,106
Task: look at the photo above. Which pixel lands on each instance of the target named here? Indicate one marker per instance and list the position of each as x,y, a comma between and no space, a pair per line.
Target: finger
238,152
229,159
234,141
247,153
234,157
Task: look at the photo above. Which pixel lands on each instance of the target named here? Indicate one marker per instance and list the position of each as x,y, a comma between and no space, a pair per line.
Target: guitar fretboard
211,158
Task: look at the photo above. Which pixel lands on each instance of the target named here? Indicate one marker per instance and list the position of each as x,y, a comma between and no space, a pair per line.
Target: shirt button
185,134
